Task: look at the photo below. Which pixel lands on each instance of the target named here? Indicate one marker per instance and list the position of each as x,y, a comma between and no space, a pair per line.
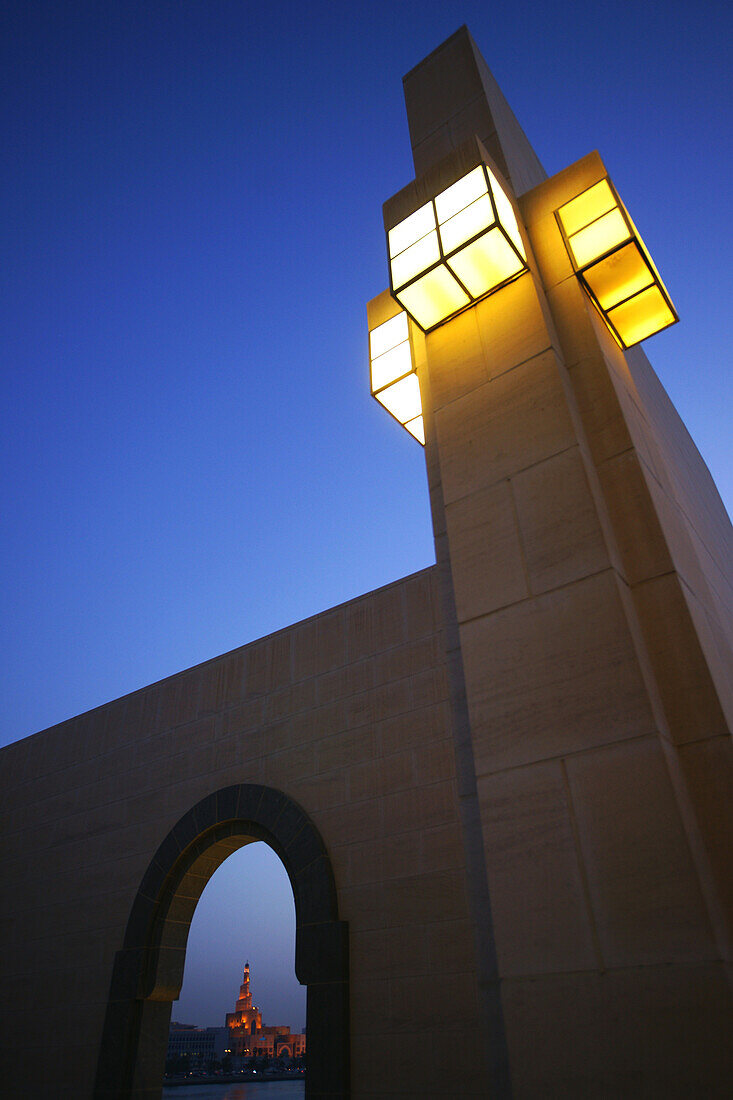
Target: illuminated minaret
246,1019
244,1000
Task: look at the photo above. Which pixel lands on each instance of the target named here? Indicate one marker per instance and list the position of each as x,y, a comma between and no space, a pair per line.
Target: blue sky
192,226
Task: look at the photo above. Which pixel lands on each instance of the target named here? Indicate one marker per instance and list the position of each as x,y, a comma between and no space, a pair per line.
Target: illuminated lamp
613,265
461,245
394,378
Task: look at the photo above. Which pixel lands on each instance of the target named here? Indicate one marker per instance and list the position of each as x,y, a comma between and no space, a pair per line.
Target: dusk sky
191,197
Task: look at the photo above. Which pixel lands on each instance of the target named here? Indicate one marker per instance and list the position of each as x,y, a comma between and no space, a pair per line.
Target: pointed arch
148,970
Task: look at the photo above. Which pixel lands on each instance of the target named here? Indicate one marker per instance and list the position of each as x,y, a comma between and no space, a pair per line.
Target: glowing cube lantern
393,376
613,265
458,247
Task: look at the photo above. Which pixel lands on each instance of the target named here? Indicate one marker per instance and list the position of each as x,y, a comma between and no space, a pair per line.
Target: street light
613,265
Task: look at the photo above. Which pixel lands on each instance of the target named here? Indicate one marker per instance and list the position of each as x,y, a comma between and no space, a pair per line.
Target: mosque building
248,1038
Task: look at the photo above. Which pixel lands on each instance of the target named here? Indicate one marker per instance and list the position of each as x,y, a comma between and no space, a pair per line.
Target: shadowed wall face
346,714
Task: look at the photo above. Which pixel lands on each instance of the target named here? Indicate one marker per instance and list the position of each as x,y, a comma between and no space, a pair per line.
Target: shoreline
233,1079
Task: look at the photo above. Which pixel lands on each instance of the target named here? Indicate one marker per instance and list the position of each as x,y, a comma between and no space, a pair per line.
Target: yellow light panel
642,316
388,335
393,364
587,207
433,298
402,399
618,276
599,237
455,249
417,428
486,263
467,223
410,230
507,217
415,259
612,262
461,194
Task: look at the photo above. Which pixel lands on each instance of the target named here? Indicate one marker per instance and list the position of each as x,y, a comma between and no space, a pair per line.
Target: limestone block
388,618
413,1003
319,645
457,362
560,531
513,326
541,918
641,1032
370,993
345,748
474,118
708,770
689,697
413,728
486,552
354,679
420,598
549,195
442,846
434,762
708,616
549,250
284,769
429,687
634,518
419,808
391,952
646,899
432,148
571,312
316,793
502,427
605,429
408,660
551,675
440,86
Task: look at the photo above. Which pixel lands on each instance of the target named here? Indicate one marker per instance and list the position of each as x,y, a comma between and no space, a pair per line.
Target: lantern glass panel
642,316
390,366
587,207
599,237
486,263
461,194
467,223
507,217
402,399
416,427
433,298
618,276
410,230
415,259
388,335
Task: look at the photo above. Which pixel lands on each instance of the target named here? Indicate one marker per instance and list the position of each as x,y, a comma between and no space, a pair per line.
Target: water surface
243,1090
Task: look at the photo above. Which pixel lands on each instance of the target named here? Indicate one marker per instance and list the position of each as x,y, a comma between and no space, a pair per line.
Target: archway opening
240,1001
148,970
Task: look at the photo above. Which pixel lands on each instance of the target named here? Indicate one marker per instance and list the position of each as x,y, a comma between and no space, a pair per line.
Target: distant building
249,1039
198,1044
